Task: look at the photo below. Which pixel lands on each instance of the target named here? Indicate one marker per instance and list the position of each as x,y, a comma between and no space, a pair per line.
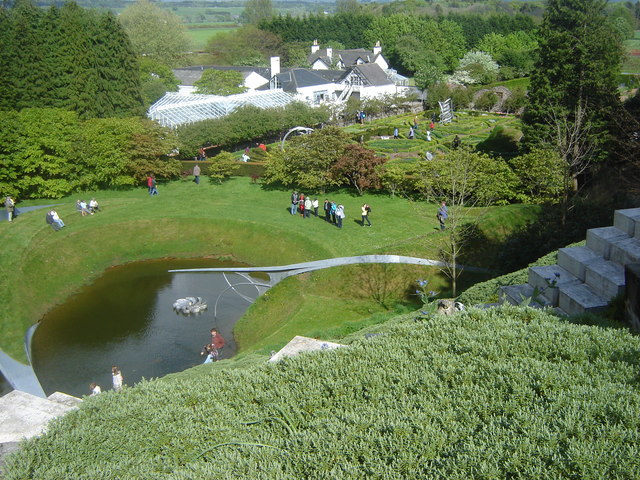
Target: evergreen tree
573,97
117,68
28,77
7,91
579,58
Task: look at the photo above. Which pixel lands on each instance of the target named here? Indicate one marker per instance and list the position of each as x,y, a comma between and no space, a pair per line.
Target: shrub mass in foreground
499,393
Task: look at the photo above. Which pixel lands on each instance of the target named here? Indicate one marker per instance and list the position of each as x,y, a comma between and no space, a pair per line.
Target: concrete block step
519,294
606,278
577,299
549,278
628,220
625,251
64,399
601,239
575,259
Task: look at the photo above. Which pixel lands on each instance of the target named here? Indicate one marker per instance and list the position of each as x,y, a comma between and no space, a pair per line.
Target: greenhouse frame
175,109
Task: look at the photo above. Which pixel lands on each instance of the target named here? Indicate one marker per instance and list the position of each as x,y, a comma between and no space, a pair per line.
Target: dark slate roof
294,78
348,57
189,75
373,73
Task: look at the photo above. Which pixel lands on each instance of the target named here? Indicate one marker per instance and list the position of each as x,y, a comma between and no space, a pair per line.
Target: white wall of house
382,62
370,92
318,93
254,80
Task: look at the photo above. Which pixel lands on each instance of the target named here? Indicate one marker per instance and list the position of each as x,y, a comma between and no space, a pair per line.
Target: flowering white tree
475,67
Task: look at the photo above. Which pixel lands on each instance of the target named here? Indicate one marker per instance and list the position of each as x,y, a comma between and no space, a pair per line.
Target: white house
327,58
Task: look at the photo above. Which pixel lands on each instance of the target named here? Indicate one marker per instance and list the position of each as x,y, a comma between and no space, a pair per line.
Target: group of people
117,379
87,209
333,212
304,205
212,349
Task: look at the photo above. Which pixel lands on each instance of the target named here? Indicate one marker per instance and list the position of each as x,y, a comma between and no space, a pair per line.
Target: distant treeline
71,58
349,28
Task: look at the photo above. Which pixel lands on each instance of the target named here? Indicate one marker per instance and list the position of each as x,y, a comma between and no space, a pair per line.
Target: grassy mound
503,393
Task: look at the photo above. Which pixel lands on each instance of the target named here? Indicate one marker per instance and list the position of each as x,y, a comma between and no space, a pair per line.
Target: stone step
601,239
575,259
577,299
548,279
23,415
625,251
64,399
628,220
606,278
520,294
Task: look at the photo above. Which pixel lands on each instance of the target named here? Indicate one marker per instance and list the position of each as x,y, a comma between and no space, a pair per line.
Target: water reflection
126,318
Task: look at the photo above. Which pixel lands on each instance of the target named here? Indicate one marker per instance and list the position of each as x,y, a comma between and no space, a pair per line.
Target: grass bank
236,220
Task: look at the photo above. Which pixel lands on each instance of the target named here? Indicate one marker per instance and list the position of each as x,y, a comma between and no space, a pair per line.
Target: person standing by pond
213,349
95,389
117,378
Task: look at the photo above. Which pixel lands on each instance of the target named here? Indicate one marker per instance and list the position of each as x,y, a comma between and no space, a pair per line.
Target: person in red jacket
212,350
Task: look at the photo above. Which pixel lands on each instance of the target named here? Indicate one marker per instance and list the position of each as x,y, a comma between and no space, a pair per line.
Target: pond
126,318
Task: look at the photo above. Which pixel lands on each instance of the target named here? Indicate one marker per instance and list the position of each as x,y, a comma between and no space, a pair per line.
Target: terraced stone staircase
585,279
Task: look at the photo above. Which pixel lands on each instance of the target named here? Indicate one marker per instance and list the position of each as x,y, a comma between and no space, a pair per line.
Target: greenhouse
175,109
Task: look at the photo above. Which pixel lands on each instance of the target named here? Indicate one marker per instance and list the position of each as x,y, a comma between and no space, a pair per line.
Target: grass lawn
200,36
234,220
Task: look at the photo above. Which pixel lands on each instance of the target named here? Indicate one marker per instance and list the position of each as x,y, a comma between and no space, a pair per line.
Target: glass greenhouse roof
176,109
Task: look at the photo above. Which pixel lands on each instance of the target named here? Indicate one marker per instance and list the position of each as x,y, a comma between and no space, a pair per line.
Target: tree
307,160
247,45
154,31
222,166
156,79
463,179
257,10
220,82
475,67
540,175
347,6
573,91
392,177
358,167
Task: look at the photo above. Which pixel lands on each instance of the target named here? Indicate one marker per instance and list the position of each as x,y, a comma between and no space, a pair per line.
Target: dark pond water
126,318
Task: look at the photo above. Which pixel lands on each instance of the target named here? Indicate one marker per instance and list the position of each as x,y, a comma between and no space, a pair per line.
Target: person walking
196,174
10,205
365,214
154,186
443,214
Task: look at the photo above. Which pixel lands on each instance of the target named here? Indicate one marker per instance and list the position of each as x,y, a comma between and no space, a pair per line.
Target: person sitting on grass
81,206
93,205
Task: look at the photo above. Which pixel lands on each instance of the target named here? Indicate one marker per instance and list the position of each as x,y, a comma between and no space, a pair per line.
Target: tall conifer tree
579,58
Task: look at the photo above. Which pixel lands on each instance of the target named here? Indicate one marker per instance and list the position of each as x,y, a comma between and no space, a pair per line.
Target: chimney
377,50
315,47
329,52
275,66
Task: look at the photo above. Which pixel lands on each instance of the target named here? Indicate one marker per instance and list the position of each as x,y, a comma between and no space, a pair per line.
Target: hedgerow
500,393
